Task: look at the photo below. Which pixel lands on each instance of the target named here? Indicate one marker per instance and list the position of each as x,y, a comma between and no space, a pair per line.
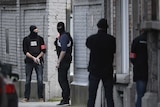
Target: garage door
8,37
85,20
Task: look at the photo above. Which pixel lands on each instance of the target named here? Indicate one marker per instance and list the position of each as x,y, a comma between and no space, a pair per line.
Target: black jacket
33,45
139,58
102,48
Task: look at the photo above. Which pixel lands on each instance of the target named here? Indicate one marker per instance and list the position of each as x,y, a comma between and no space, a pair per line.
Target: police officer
63,45
139,59
102,48
34,49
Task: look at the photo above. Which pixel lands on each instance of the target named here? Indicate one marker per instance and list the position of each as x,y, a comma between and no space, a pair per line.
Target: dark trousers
93,86
63,80
141,89
39,72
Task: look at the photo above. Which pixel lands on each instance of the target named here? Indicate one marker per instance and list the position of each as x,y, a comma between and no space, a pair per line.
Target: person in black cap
63,45
34,49
102,49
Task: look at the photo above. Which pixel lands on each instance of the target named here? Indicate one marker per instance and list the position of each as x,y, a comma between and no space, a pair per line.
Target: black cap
102,23
32,27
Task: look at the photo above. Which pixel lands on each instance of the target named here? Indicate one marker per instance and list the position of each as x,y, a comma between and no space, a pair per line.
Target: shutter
85,24
8,37
86,18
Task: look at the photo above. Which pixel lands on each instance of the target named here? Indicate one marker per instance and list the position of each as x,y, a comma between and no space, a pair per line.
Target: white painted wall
56,12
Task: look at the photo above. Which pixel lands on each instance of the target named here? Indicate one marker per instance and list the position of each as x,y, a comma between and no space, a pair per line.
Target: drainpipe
125,36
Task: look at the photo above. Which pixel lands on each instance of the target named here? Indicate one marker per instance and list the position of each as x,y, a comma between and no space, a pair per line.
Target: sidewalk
39,104
34,103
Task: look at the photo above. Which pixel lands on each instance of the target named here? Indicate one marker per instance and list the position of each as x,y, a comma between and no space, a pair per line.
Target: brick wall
56,12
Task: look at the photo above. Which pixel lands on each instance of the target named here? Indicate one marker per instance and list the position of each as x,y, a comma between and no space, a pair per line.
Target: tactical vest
34,46
68,55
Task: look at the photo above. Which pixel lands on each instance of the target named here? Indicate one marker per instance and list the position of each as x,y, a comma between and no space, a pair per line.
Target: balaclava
60,27
102,24
32,33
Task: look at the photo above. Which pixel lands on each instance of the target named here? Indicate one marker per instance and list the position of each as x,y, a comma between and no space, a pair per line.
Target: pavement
38,104
41,104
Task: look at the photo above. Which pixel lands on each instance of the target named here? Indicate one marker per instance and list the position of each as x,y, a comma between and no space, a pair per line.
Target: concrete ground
38,104
34,103
41,104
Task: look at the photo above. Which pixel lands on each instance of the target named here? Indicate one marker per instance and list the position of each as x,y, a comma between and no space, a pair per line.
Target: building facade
86,14
125,18
16,16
